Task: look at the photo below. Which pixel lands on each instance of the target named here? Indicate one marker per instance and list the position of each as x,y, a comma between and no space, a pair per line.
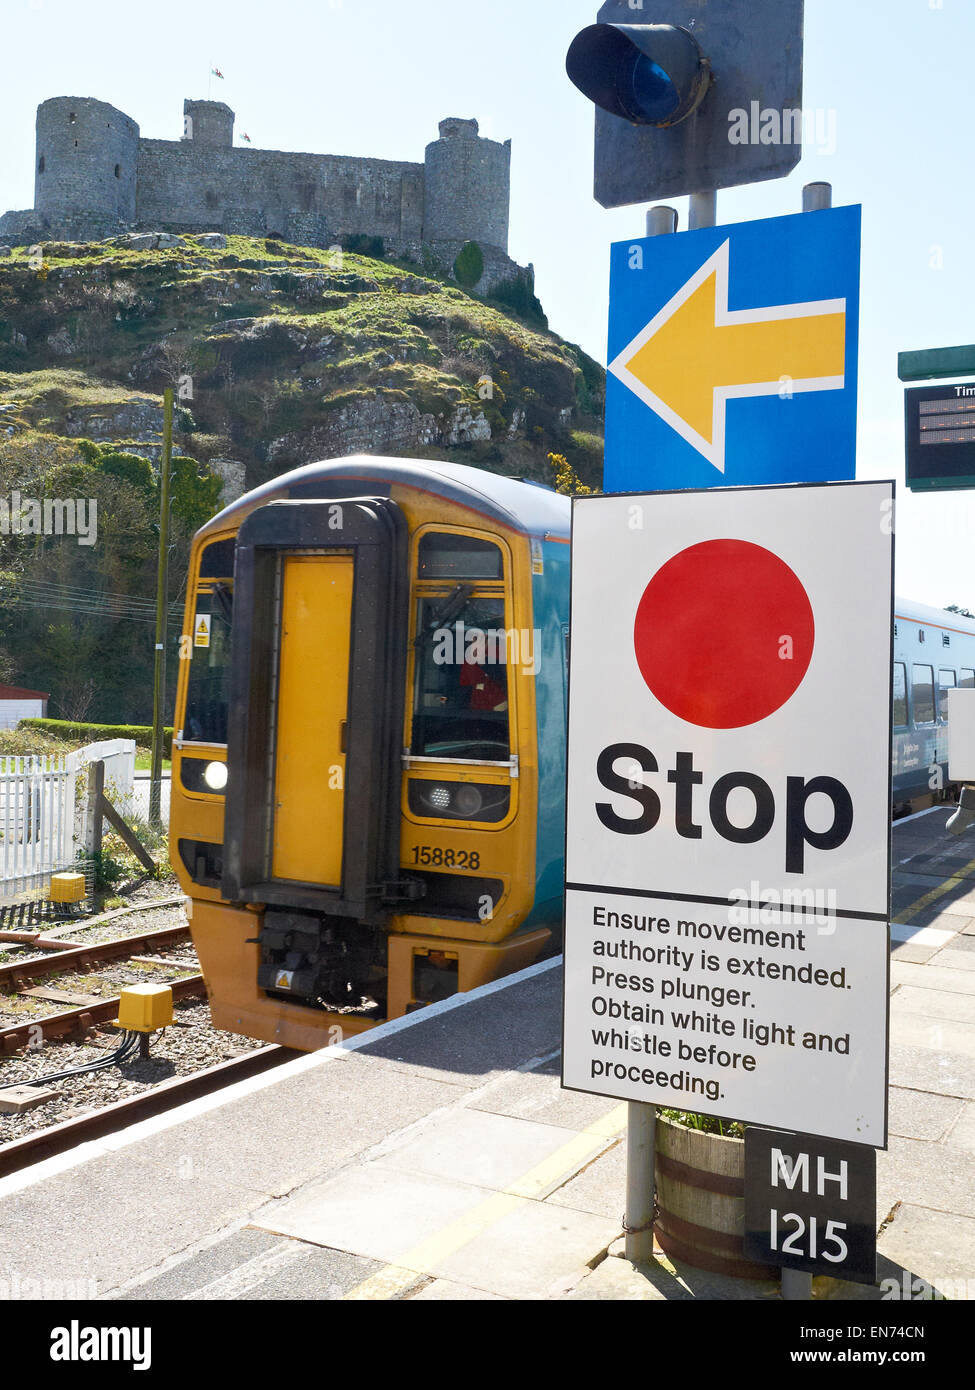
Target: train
368,759
934,652
368,772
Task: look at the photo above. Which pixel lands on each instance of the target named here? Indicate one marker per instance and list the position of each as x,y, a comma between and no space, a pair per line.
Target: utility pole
162,605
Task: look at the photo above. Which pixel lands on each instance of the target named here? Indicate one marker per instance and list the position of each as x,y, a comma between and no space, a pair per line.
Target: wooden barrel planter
701,1201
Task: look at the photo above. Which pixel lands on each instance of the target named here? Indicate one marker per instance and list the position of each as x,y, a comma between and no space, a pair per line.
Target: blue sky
369,78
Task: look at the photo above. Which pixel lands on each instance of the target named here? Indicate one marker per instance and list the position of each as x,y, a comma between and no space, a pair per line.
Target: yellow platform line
396,1278
905,917
424,1257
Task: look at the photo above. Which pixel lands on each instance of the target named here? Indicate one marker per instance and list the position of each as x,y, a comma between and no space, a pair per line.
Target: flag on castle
215,72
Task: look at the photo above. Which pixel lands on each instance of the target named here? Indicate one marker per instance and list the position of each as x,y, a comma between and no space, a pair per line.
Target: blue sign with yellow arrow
733,355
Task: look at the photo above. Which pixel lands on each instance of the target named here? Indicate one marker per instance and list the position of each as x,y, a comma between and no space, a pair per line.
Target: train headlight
215,776
467,801
470,801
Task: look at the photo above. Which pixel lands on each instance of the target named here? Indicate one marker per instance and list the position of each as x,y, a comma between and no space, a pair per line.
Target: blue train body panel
550,595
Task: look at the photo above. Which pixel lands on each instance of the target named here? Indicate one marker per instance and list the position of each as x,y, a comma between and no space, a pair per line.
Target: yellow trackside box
145,1008
67,888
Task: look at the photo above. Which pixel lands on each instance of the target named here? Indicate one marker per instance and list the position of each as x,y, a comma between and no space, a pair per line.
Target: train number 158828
446,858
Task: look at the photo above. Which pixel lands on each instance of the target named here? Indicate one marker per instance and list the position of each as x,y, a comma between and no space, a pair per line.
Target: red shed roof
18,692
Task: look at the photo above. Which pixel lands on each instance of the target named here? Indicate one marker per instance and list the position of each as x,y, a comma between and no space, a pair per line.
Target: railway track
18,977
46,1143
16,973
49,1026
19,980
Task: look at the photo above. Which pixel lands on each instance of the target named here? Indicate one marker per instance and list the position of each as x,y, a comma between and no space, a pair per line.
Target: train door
315,724
311,718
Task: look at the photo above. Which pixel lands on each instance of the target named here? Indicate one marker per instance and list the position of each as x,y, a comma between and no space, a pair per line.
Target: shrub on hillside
469,265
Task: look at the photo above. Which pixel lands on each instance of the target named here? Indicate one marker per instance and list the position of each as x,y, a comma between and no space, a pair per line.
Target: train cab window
460,701
217,560
900,695
946,682
446,556
207,694
966,679
923,694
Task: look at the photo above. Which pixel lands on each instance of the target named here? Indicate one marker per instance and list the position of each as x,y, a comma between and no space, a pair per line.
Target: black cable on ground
129,1043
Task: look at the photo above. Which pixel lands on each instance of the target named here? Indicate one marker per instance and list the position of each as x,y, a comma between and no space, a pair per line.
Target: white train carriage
934,651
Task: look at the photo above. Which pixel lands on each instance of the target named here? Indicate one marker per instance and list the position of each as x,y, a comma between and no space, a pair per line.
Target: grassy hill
283,355
293,353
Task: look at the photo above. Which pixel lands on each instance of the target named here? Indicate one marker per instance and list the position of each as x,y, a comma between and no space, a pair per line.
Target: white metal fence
37,796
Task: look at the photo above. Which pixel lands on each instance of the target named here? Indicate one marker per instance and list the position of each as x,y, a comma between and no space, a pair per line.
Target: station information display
940,436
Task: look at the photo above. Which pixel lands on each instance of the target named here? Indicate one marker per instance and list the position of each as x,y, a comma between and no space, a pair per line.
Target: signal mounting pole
641,1118
709,99
162,588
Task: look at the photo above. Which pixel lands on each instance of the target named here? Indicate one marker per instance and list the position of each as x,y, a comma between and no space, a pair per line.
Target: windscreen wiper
452,605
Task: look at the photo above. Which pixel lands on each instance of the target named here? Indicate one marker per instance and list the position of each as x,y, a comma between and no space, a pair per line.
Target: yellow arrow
695,355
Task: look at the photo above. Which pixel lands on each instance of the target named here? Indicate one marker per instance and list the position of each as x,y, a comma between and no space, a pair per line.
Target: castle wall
95,177
208,123
261,191
468,183
86,160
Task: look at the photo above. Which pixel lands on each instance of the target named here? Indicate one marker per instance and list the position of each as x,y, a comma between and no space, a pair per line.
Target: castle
96,177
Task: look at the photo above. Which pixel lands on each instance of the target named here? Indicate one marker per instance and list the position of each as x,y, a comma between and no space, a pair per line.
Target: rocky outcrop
132,419
466,427
376,425
149,241
234,479
370,425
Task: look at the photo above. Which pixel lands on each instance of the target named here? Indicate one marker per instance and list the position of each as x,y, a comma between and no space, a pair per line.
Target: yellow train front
368,765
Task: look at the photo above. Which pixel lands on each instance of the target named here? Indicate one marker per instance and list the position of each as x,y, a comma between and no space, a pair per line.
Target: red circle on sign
724,634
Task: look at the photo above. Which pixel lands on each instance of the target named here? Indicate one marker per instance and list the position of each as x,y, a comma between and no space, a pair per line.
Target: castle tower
468,186
208,123
86,158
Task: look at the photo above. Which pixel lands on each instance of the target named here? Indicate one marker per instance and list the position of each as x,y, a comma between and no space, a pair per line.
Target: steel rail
73,1020
16,972
59,1138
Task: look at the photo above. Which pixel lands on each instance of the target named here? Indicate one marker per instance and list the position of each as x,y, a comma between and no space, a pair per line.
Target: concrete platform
438,1159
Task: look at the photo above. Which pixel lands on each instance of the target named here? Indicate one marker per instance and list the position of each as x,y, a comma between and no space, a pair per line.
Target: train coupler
326,962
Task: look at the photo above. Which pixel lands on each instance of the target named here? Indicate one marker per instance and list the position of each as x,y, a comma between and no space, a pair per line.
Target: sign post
733,361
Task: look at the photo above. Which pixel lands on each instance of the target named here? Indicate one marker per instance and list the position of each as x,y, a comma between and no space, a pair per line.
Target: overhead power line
36,593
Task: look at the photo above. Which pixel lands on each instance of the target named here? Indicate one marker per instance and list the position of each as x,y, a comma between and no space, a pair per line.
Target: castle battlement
96,176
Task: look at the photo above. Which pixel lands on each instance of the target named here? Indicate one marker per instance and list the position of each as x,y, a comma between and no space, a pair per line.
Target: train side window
923,694
946,682
900,695
460,700
967,679
207,694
